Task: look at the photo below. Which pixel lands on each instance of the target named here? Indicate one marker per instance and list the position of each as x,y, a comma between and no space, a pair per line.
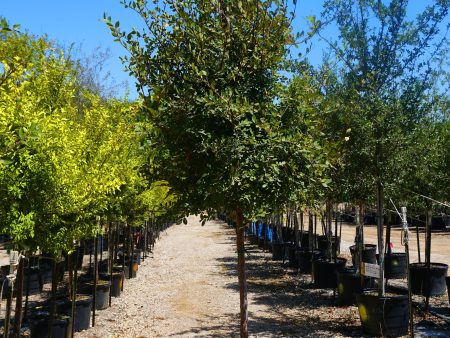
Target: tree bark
380,233
19,286
241,273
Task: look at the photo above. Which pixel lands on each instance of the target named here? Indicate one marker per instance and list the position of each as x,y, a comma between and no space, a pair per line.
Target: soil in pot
349,284
324,272
368,254
39,322
83,306
116,285
428,281
277,251
305,258
395,265
383,316
101,294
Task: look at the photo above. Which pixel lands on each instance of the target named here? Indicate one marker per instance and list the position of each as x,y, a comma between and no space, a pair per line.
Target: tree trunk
241,272
19,286
380,233
296,233
428,237
55,278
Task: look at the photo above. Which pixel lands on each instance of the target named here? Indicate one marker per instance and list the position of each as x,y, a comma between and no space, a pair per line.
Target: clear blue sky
79,22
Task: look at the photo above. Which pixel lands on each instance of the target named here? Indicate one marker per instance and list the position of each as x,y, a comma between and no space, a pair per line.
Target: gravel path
184,290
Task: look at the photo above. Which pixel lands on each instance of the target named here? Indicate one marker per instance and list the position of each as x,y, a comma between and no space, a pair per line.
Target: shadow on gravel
231,329
295,307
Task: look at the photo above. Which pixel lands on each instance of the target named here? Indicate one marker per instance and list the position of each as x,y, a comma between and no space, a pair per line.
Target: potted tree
215,117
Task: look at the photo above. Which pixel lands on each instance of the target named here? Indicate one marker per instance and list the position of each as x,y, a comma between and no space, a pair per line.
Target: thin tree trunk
19,285
418,240
73,290
241,273
296,233
380,233
388,248
428,238
55,278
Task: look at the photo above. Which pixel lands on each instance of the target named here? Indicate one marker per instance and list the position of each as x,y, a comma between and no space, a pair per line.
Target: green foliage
66,154
208,72
385,72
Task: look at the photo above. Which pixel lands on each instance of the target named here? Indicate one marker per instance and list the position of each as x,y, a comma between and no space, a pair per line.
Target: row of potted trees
74,298
318,255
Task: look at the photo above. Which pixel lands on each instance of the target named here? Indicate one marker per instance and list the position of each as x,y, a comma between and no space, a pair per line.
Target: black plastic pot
39,323
80,256
447,280
261,242
101,294
103,266
305,258
383,316
428,281
292,258
253,239
304,240
369,254
349,284
83,306
323,245
45,268
116,285
395,265
287,234
137,256
123,272
32,280
277,251
134,269
324,272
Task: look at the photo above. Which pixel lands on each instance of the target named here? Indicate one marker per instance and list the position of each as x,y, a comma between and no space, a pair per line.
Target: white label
371,270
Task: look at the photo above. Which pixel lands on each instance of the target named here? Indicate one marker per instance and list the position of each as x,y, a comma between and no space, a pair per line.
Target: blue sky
80,22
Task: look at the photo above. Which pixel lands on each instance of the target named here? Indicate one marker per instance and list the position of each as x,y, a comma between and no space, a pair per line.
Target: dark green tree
208,72
385,66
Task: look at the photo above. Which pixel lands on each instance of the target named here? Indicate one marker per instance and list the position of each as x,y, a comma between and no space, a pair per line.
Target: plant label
370,270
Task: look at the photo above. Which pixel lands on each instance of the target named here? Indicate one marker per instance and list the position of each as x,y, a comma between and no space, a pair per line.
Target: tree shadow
292,305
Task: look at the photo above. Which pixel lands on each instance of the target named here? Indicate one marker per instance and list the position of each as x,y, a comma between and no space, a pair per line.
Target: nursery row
63,295
295,239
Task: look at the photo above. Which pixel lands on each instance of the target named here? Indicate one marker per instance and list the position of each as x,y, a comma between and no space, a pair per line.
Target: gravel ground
182,291
189,289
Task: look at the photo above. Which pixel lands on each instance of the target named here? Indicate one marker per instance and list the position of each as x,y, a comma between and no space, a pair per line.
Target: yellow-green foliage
66,154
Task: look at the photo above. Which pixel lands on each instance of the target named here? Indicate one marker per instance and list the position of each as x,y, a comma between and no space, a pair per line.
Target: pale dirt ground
189,289
182,291
440,242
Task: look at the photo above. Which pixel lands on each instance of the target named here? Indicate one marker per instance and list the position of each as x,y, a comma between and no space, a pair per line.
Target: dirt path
190,289
182,291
